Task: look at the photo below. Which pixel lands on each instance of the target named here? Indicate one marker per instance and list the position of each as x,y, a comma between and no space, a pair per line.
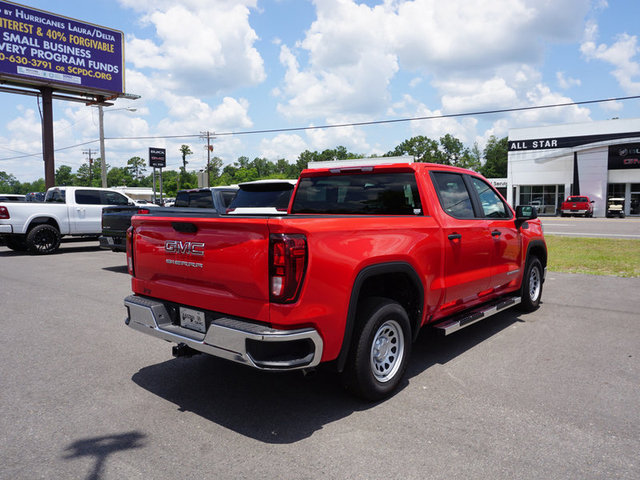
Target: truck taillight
287,265
130,250
4,213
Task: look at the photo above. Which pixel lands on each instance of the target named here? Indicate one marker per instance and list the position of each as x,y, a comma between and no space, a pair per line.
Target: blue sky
244,65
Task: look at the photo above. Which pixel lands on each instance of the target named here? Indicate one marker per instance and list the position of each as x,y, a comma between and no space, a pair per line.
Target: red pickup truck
577,205
365,257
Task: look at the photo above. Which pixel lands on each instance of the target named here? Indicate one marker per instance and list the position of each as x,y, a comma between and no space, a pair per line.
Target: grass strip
594,256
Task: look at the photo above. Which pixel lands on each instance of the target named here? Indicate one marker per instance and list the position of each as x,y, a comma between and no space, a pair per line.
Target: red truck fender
408,291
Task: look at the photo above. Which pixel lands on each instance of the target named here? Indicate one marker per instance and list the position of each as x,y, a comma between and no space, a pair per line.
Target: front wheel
381,347
531,291
43,239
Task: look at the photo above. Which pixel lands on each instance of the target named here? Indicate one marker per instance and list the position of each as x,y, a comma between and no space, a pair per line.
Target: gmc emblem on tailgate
186,248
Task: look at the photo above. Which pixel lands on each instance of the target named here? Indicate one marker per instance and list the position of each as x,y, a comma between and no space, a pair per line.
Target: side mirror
592,201
524,213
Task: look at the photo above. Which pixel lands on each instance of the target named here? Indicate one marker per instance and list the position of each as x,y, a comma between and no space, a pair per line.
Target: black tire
43,239
17,244
380,349
531,291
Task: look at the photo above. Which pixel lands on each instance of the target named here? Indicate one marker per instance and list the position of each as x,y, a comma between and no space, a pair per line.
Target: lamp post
103,161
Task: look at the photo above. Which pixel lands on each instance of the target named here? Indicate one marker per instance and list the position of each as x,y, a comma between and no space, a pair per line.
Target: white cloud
462,95
468,49
202,47
623,55
285,146
567,82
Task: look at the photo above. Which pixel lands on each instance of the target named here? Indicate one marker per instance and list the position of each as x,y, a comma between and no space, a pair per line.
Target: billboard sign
157,157
40,48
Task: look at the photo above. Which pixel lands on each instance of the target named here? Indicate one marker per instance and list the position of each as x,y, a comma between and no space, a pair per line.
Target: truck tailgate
218,264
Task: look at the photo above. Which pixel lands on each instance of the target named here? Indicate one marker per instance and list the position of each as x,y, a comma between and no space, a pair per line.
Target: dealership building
600,160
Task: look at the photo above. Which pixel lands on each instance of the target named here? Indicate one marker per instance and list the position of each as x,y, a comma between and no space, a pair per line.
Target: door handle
454,236
496,233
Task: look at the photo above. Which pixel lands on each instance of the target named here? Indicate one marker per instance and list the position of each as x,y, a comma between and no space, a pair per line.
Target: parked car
577,205
38,227
35,196
218,198
262,197
116,220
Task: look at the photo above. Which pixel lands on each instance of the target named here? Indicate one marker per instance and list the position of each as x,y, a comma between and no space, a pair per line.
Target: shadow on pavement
282,408
117,269
102,447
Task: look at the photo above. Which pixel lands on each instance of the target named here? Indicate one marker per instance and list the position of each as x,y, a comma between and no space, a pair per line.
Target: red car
577,205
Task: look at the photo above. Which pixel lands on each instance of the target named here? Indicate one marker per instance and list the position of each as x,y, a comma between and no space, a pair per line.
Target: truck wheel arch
34,222
407,291
537,248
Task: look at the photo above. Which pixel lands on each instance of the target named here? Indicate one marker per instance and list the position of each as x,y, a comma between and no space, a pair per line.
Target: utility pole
90,152
209,136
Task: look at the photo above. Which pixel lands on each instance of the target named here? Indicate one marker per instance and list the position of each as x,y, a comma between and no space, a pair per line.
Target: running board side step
470,317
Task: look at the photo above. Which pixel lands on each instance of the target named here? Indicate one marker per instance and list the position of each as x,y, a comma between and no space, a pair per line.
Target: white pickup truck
38,227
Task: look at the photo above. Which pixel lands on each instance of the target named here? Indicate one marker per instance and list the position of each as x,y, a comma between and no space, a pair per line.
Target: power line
353,124
396,120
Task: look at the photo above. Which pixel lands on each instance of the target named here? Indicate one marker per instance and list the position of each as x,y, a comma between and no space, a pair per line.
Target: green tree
64,177
8,183
120,176
184,151
215,167
137,168
452,150
89,173
422,148
496,153
263,167
37,186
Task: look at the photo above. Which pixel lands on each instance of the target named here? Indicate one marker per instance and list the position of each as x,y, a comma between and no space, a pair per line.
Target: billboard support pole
154,185
47,137
103,162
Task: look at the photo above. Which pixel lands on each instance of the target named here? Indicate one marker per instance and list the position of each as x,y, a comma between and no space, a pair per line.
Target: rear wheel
43,239
531,291
381,347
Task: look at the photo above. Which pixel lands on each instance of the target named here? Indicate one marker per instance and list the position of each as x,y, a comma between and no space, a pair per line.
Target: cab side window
453,194
492,205
88,197
113,198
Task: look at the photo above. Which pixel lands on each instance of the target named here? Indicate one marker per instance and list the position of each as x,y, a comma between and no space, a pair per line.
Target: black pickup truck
116,220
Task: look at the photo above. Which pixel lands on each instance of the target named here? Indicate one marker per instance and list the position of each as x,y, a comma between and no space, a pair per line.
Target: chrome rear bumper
251,344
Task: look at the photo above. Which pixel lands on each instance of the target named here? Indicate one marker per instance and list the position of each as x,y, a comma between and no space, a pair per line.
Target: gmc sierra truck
365,257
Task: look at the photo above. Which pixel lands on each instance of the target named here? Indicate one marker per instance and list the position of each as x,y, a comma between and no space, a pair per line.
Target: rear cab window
55,196
359,194
275,195
195,199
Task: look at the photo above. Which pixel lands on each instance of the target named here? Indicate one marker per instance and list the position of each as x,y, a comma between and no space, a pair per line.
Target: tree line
448,150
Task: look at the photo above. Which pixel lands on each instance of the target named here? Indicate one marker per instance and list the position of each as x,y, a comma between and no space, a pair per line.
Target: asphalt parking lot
552,394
